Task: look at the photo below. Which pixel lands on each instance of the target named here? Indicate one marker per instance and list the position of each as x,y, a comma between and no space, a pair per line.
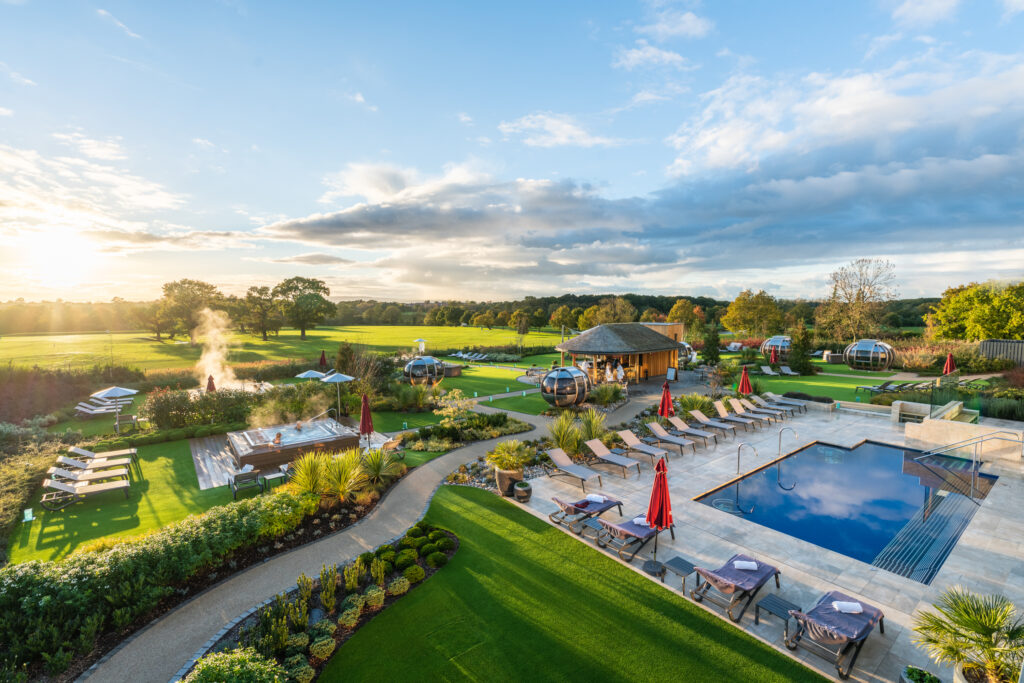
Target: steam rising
213,327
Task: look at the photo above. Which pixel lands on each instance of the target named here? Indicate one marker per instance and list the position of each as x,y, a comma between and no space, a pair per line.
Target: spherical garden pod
424,370
780,343
564,387
869,354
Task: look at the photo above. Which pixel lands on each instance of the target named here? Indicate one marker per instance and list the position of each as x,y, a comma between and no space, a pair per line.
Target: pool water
878,503
289,434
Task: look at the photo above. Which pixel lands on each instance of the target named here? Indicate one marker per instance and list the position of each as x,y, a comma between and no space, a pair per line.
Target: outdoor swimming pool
886,505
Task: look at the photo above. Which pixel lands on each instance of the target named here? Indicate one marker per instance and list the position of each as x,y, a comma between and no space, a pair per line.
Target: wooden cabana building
642,351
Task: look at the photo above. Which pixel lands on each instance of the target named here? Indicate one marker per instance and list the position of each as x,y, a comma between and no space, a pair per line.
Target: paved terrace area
989,557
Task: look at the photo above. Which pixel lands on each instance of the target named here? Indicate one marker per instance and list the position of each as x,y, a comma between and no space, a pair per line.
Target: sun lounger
683,429
775,398
743,412
835,635
62,494
740,584
133,453
817,354
734,346
785,370
749,407
604,455
86,475
562,465
626,538
723,427
91,410
572,515
662,436
768,371
724,415
98,464
773,406
634,444
874,388
105,402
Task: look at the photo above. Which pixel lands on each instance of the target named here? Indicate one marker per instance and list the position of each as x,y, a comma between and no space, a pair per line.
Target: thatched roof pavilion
642,351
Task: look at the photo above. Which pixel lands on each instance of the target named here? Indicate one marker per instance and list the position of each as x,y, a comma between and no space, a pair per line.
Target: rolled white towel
247,468
595,498
745,564
847,607
640,521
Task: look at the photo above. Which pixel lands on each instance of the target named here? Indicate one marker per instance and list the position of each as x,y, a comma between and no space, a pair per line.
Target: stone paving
988,558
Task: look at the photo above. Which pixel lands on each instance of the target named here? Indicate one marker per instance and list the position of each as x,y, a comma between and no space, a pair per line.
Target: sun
60,259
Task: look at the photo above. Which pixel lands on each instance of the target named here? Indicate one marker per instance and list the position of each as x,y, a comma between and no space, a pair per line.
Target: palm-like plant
592,425
344,476
977,632
380,468
308,473
510,455
565,433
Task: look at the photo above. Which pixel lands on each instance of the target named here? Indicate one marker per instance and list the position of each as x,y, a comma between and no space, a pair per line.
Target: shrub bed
476,427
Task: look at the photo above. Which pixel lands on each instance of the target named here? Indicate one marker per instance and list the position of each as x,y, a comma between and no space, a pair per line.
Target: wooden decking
213,460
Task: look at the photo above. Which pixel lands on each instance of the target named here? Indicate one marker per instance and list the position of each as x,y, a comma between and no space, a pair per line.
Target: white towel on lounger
595,498
847,607
640,521
745,564
247,468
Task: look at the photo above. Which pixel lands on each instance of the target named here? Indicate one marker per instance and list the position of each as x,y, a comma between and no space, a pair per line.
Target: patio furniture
723,427
742,584
633,443
773,604
103,402
777,413
133,453
775,398
604,455
767,370
573,515
724,415
274,477
835,635
817,354
773,406
655,569
63,493
97,464
91,410
785,370
626,538
245,480
562,465
86,475
874,388
683,429
658,432
743,412
681,567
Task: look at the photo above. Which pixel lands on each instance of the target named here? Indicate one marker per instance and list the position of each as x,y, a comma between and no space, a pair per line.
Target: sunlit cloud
110,17
547,129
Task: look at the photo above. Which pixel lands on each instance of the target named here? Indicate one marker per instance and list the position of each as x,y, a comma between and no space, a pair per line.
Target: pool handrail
739,449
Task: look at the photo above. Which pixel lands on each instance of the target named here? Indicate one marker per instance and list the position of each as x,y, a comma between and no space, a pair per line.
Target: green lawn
531,404
417,458
485,381
100,424
165,491
522,600
138,349
834,369
839,388
391,421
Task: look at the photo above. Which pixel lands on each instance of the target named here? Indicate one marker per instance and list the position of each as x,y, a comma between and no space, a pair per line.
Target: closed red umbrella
659,511
666,409
323,359
365,419
210,385
745,387
950,365
774,358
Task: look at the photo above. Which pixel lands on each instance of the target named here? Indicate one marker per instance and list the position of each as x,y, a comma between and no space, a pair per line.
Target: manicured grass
531,404
834,369
485,381
138,349
165,491
417,458
392,421
839,388
522,600
99,425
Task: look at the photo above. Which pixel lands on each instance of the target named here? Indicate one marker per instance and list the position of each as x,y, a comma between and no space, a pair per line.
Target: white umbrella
115,393
310,374
422,343
337,379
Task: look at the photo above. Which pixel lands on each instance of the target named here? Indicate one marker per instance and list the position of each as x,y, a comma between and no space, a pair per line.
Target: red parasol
666,409
323,359
659,511
950,365
210,385
774,358
745,387
365,419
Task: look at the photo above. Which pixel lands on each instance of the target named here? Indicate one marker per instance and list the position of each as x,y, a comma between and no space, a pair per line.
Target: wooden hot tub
257,446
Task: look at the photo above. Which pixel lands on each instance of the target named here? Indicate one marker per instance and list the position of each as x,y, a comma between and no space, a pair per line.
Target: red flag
365,418
209,384
666,409
745,387
950,365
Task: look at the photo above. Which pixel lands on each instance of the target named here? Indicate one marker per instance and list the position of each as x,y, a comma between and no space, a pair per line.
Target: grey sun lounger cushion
717,424
635,444
586,507
563,464
827,626
727,579
627,530
602,453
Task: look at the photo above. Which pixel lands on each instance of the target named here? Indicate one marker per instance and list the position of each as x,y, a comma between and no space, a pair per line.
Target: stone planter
506,479
904,677
523,491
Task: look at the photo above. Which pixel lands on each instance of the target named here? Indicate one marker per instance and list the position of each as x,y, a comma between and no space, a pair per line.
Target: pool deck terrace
989,557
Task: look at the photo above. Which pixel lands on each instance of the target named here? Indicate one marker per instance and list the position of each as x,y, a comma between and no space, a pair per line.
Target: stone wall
934,433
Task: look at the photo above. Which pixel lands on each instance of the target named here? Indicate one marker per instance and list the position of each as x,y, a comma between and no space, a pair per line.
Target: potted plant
508,459
523,491
979,635
912,674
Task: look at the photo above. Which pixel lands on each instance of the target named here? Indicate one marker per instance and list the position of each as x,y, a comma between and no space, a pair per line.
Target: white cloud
465,118
108,150
359,99
204,143
4,111
546,129
880,43
15,76
1011,7
107,15
924,12
647,55
675,24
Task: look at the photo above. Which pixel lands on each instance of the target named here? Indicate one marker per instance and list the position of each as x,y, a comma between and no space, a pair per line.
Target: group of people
613,371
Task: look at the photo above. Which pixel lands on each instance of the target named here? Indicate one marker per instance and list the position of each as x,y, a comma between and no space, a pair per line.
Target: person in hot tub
277,439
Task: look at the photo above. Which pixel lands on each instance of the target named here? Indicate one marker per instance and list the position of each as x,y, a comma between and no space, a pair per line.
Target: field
138,349
522,600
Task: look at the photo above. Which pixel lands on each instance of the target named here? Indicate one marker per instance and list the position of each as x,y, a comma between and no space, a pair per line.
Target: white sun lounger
94,464
768,371
86,475
133,453
62,494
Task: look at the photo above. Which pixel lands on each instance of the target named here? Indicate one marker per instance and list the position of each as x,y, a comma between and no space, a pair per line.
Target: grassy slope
138,350
166,491
523,600
531,404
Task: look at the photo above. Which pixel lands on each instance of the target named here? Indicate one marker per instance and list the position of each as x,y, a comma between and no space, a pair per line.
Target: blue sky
456,150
